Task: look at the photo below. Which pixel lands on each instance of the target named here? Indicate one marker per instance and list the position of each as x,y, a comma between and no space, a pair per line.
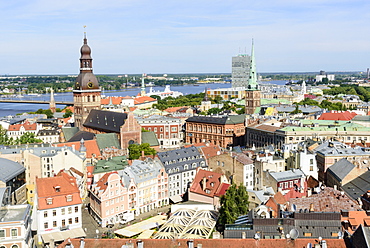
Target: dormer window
57,188
69,198
49,201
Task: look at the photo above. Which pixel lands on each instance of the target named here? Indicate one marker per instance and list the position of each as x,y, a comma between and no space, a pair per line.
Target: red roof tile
116,100
143,99
27,126
212,182
92,148
47,188
338,116
214,243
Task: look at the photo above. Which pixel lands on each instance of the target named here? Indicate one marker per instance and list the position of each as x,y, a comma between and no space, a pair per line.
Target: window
76,209
69,210
63,222
15,246
63,211
54,213
69,198
15,232
2,233
49,201
311,161
54,223
76,219
70,221
45,214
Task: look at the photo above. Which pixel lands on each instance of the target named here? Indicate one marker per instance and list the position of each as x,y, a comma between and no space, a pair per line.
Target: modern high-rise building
240,70
86,92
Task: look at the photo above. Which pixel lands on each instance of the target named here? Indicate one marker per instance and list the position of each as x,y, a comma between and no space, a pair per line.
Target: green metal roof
150,138
113,164
105,140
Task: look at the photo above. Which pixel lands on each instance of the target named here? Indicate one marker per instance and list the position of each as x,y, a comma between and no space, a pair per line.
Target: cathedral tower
86,92
252,94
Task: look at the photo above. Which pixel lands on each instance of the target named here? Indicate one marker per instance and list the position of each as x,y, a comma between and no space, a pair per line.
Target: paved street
90,225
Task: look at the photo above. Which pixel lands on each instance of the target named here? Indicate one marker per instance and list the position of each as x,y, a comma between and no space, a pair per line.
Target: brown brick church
87,103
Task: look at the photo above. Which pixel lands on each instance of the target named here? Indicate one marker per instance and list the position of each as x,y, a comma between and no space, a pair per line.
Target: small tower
252,93
303,88
142,92
86,92
52,105
206,103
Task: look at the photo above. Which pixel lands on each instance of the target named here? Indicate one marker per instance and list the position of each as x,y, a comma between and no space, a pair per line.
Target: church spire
252,81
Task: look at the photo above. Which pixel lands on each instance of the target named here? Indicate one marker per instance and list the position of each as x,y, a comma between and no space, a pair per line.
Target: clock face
90,85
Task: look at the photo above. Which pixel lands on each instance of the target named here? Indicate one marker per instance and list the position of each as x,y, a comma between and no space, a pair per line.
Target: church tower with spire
252,94
86,92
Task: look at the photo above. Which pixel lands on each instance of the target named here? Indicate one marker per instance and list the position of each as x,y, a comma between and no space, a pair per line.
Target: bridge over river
69,103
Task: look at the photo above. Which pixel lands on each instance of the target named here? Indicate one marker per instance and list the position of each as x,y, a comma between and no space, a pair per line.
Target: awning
176,198
140,227
63,235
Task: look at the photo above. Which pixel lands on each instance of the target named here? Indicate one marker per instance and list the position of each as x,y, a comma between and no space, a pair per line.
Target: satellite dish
294,233
309,245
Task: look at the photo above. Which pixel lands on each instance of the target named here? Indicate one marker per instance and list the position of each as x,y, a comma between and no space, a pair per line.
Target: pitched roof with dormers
60,191
213,184
107,121
222,120
27,127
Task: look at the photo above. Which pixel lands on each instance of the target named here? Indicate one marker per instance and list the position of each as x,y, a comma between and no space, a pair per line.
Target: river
15,108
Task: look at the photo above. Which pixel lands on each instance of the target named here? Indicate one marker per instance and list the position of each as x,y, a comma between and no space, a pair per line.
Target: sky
192,36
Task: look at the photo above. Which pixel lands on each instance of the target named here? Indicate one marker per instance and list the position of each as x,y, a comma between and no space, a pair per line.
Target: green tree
213,111
135,150
27,138
233,204
68,113
4,138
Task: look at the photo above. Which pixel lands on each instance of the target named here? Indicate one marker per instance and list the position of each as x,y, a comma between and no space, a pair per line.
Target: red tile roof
27,126
212,182
210,151
338,116
143,99
47,188
92,147
116,100
207,243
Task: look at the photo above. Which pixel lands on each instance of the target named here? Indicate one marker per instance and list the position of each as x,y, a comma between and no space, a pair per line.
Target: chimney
140,244
73,148
309,192
204,181
142,153
335,187
82,243
312,208
191,243
52,245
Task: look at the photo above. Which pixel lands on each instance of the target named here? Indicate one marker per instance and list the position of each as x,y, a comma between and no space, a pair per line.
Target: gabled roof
9,169
222,120
92,149
107,140
358,186
69,132
143,99
82,135
287,175
107,121
210,150
57,188
208,183
112,99
338,115
150,138
27,126
341,169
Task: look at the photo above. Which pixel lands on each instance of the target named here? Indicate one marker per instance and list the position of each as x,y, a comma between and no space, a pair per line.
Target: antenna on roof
294,233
